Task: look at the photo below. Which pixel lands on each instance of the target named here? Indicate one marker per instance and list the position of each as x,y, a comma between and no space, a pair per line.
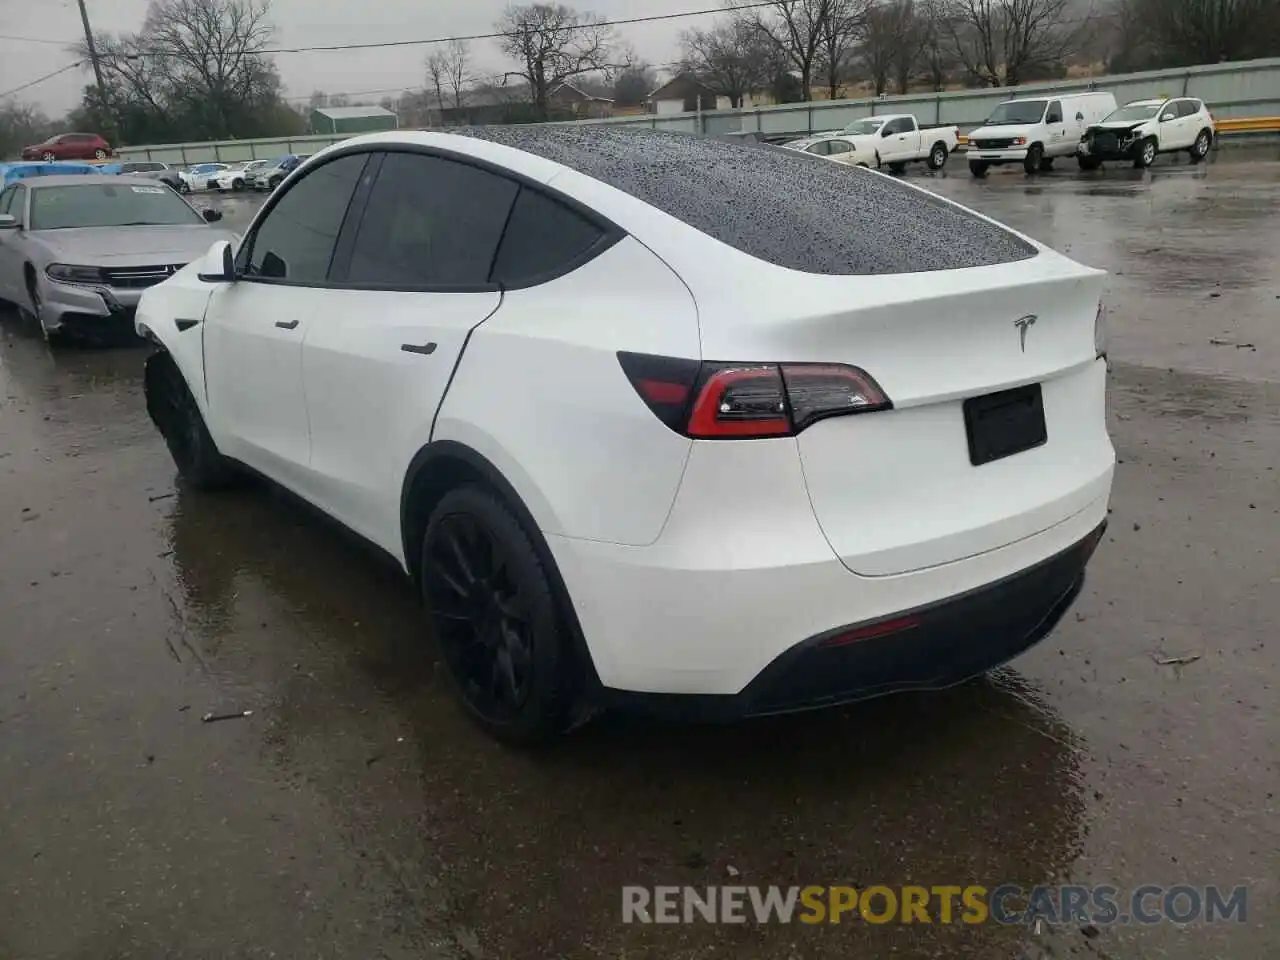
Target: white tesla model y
653,419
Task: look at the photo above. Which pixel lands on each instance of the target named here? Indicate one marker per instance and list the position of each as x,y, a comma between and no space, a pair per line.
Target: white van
1035,130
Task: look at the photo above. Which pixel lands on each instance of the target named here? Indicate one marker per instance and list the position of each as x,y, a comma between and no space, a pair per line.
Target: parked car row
1033,132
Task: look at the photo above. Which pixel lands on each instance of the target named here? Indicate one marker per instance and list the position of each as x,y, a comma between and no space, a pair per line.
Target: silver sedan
76,252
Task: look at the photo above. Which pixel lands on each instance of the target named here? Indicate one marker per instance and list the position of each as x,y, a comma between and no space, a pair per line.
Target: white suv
1141,130
753,433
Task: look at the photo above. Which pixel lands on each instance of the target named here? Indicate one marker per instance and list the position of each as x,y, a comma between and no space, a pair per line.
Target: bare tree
999,41
937,60
889,42
199,60
447,68
553,43
1209,31
796,29
731,58
844,24
633,83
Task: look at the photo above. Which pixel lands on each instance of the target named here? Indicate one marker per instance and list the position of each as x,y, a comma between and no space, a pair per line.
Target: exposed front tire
1046,164
1088,163
938,156
979,167
1200,149
185,187
502,639
1035,156
1146,154
237,185
48,156
897,166
99,154
176,415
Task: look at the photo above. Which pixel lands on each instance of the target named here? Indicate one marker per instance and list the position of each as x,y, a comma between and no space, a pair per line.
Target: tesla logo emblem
1023,323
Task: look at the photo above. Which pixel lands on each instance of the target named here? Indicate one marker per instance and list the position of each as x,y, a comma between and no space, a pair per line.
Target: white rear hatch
899,490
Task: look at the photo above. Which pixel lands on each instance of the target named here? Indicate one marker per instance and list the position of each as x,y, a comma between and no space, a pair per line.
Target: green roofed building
352,120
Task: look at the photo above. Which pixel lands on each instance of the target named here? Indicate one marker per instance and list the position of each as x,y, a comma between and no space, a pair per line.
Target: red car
69,146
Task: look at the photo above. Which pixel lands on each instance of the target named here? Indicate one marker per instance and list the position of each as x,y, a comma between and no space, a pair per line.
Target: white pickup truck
896,139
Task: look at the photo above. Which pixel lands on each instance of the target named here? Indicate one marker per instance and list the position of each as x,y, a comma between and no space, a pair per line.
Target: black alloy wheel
174,412
495,618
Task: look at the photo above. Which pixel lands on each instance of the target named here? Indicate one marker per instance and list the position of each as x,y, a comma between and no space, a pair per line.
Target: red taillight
710,401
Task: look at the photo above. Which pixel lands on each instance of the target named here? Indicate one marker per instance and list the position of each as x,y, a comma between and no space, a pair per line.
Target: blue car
11,172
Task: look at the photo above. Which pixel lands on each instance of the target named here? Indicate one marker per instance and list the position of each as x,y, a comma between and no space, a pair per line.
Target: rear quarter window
779,205
543,238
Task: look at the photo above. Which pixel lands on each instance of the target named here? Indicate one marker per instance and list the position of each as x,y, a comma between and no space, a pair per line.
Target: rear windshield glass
782,206
107,205
1017,111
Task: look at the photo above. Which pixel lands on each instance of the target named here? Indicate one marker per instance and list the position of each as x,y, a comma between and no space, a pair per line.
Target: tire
897,166
48,157
184,186
978,167
99,154
1088,163
1146,155
1035,155
863,164
938,155
274,182
177,416
1046,164
509,659
237,185
1200,149
31,313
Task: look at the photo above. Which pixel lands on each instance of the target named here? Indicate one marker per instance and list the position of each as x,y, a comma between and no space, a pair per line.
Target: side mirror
218,265
1166,116
211,215
8,221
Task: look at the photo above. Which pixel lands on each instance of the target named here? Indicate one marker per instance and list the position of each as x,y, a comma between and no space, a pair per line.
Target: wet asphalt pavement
355,813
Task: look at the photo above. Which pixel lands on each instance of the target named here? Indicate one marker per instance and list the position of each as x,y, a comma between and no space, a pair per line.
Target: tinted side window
430,222
543,237
1188,108
6,198
1054,113
821,148
295,242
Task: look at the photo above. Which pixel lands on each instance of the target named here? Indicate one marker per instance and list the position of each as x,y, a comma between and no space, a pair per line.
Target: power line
47,76
501,34
55,43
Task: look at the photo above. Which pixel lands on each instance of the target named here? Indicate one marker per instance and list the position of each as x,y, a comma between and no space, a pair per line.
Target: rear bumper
927,648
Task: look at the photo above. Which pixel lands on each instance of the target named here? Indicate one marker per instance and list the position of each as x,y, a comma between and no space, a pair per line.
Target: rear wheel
1035,156
1146,154
174,412
1200,149
48,156
978,167
237,184
496,618
99,154
1088,163
938,156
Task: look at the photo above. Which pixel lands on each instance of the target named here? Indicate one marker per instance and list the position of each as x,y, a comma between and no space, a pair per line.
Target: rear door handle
423,348
287,324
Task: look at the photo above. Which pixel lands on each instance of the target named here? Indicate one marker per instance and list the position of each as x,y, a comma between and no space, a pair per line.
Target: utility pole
93,58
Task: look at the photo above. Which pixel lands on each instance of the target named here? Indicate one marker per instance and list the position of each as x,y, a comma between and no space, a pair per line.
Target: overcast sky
308,22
